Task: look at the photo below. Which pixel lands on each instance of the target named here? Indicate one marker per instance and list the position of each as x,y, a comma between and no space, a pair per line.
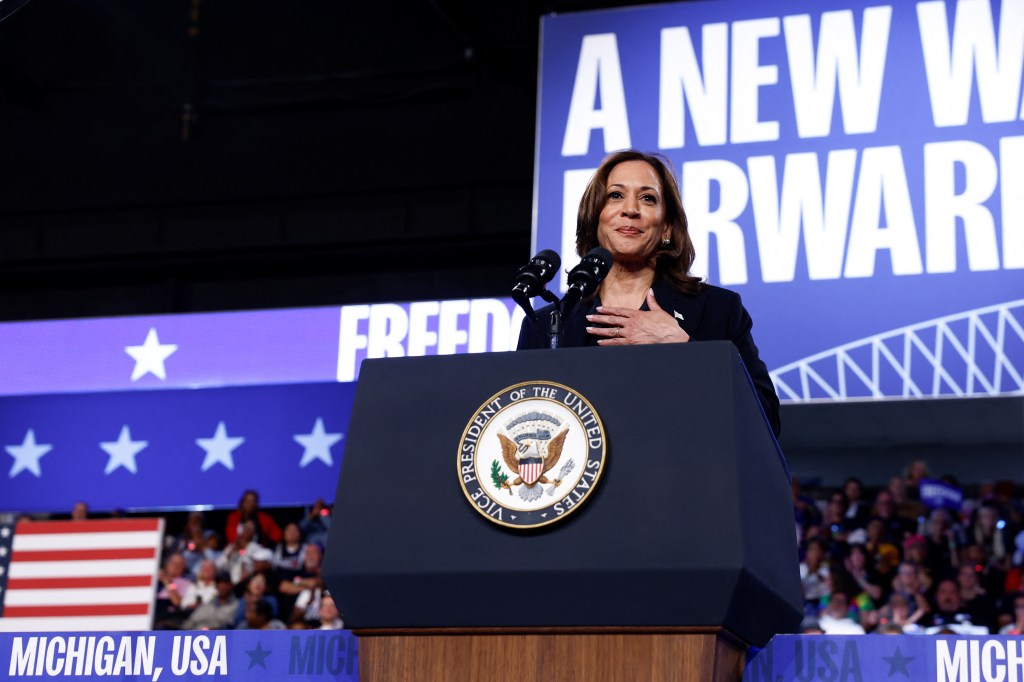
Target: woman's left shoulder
718,298
719,294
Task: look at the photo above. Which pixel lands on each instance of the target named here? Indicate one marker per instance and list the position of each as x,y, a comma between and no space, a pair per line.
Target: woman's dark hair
673,261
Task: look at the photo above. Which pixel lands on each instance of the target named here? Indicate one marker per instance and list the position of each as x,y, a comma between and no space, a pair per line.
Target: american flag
79,575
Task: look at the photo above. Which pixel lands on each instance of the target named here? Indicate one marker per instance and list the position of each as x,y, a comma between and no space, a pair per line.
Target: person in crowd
259,615
906,506
884,555
898,613
897,526
169,610
204,588
300,596
910,584
194,542
1014,582
1016,625
254,590
974,598
80,511
266,530
289,553
915,549
858,578
631,207
805,512
217,613
245,555
835,526
858,512
988,535
991,579
316,523
837,618
941,555
815,577
916,472
949,608
330,617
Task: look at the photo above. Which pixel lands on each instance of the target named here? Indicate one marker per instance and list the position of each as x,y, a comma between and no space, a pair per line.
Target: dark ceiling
197,155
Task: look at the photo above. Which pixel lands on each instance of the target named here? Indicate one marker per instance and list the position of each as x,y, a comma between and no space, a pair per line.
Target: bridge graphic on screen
974,353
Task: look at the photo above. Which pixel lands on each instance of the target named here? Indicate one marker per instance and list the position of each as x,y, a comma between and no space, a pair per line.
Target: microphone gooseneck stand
554,320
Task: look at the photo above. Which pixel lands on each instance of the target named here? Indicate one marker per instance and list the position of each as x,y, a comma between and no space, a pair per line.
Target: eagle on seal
529,460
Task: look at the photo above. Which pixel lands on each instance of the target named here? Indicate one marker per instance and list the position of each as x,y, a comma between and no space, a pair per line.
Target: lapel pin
678,316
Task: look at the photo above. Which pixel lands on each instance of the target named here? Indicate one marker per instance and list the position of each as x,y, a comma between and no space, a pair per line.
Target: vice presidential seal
531,454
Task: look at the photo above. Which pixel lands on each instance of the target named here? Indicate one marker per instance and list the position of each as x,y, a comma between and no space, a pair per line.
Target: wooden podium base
566,654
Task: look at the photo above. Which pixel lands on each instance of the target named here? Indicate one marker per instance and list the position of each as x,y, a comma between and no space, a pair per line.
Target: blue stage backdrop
855,170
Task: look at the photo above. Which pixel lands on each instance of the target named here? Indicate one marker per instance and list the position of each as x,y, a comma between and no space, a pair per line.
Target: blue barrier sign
311,655
864,658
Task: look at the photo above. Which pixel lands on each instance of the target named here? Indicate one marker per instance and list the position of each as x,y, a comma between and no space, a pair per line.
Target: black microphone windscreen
602,256
550,257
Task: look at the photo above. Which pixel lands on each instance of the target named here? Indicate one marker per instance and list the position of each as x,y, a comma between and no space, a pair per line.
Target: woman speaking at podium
632,208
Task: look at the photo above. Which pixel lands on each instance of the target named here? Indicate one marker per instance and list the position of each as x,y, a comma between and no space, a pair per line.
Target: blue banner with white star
173,448
312,655
864,658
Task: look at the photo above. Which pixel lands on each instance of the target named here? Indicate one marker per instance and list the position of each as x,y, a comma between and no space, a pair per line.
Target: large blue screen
854,170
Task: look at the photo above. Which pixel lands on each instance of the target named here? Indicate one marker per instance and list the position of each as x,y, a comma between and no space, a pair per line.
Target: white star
150,356
218,449
26,455
318,444
122,451
3,551
5,532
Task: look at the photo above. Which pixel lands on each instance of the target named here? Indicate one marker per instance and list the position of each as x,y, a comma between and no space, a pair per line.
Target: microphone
584,278
532,278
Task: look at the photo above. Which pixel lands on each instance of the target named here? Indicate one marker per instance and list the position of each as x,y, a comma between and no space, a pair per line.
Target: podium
682,556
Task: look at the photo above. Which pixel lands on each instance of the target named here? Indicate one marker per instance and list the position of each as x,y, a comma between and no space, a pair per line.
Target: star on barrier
898,662
317,444
26,456
219,448
150,356
122,451
258,656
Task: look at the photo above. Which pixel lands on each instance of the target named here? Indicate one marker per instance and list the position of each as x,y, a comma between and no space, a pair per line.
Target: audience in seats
911,565
873,557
